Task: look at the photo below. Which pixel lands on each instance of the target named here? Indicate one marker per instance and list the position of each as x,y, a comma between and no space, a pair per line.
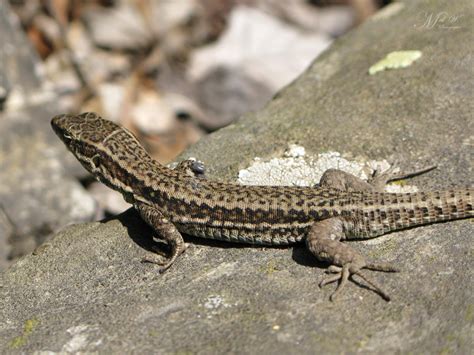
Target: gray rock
225,94
19,69
6,231
38,194
86,290
37,191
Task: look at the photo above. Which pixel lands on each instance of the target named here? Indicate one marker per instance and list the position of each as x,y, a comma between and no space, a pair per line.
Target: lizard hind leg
166,230
338,179
323,241
381,178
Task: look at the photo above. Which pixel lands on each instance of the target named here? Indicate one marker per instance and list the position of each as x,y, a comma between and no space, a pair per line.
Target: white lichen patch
296,168
295,151
82,336
214,305
395,60
214,302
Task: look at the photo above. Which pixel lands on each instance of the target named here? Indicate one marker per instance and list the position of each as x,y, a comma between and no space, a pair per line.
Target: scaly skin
175,201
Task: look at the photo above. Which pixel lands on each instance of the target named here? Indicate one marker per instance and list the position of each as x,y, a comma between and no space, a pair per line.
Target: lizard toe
329,279
342,274
374,285
153,259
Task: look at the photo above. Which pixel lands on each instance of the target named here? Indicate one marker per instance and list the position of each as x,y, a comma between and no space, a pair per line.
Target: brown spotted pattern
252,214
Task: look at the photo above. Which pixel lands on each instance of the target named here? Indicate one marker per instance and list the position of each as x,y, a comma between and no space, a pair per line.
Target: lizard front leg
165,229
323,241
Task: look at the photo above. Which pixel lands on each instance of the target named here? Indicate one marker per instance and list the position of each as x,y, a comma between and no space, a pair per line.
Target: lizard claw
152,259
165,264
158,259
332,269
341,274
156,256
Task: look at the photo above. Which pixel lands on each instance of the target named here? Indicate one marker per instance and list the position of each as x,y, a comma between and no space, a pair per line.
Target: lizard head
87,128
84,136
99,145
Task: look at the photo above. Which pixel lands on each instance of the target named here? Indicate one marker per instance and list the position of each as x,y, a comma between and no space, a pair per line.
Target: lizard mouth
66,138
59,129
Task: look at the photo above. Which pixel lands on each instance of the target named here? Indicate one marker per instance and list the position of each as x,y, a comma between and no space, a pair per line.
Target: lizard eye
95,160
67,138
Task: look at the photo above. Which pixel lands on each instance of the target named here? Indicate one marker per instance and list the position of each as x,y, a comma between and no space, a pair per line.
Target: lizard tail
439,206
406,210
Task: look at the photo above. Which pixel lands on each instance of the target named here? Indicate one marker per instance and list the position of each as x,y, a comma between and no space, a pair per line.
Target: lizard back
270,215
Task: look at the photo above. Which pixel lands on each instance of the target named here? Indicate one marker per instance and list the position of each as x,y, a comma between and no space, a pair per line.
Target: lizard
182,201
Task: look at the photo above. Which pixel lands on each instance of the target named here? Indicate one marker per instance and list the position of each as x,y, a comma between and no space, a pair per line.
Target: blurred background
171,71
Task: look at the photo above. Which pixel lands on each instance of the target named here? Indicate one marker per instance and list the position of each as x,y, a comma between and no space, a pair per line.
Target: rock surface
86,290
37,191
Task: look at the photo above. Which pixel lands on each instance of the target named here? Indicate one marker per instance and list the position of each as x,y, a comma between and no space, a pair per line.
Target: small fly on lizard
175,201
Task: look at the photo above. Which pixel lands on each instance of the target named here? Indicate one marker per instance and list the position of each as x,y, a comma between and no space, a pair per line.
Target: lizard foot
323,241
342,274
176,252
157,258
165,230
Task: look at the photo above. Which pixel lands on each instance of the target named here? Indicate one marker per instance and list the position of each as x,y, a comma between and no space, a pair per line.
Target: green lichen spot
17,342
28,328
469,313
153,333
270,267
395,60
399,182
30,325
